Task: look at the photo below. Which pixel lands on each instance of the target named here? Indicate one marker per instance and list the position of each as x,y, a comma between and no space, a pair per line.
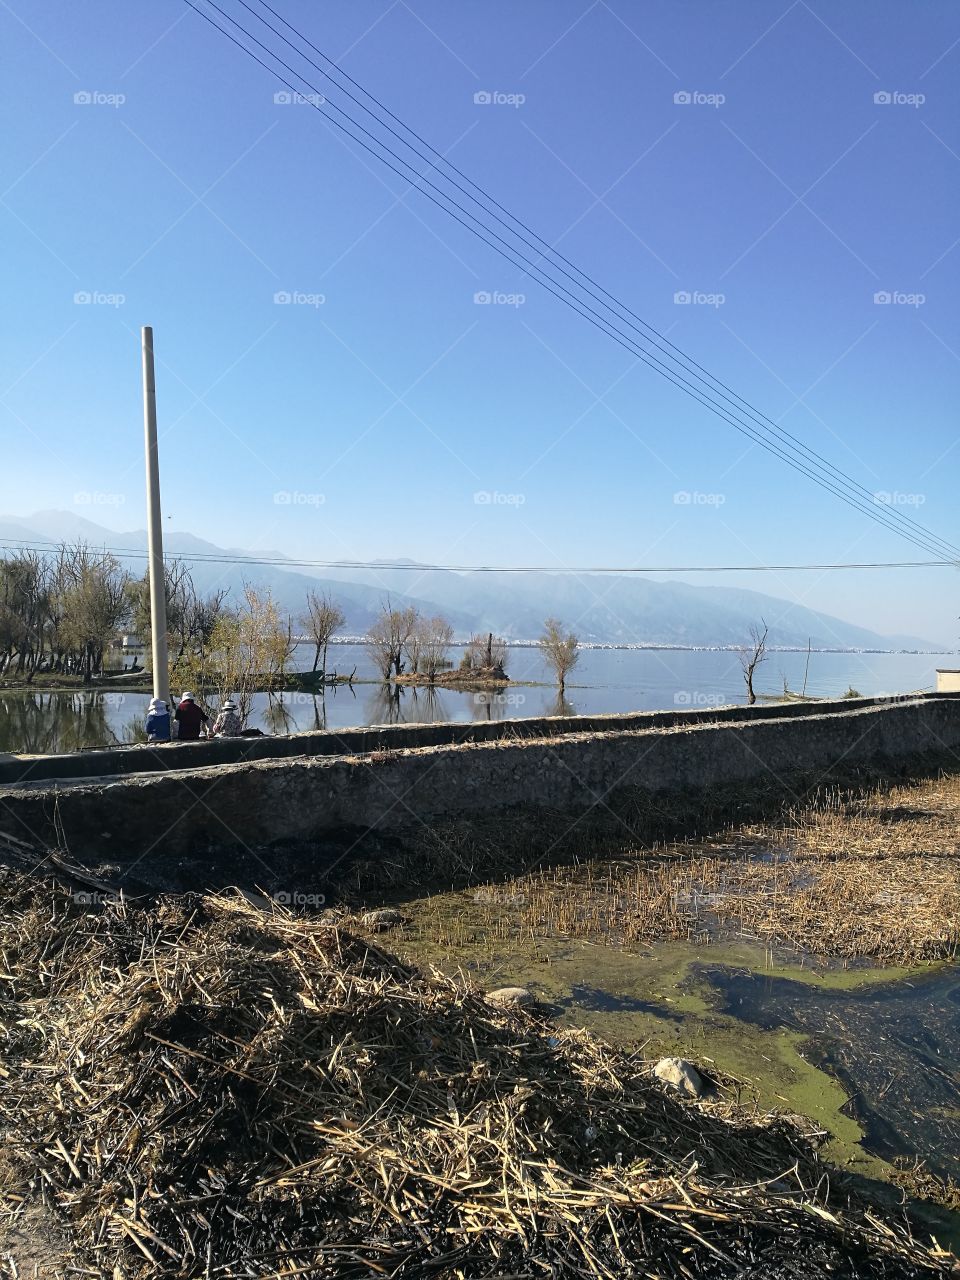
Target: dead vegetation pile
214,1088
852,877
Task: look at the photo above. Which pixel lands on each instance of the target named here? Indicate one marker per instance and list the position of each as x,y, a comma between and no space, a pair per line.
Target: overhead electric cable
660,340
890,516
284,562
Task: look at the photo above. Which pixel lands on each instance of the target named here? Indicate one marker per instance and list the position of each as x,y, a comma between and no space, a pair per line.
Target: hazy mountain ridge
360,603
610,609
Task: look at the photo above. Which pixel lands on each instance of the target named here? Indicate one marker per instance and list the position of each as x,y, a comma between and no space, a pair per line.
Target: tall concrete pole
158,599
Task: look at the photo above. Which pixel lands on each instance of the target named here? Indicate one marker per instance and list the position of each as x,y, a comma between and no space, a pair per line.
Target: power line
887,520
283,562
822,473
660,340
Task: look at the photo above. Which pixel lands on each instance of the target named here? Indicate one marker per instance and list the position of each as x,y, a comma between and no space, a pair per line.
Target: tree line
60,612
64,611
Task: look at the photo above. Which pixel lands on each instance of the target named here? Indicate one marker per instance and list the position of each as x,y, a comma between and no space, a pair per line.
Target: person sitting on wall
158,721
227,724
192,722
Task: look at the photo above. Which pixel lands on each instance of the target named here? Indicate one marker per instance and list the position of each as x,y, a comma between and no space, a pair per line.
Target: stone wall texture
405,776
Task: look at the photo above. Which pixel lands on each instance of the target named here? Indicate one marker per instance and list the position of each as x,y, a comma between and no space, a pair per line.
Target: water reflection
490,704
561,706
384,705
407,704
278,716
427,706
37,723
607,681
319,704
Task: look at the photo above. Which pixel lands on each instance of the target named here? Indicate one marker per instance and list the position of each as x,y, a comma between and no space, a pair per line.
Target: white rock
679,1074
511,997
382,918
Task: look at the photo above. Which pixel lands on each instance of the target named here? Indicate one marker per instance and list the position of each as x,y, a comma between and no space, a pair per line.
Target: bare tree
436,636
389,636
559,651
322,618
415,646
427,646
248,649
751,655
486,653
24,591
96,602
190,619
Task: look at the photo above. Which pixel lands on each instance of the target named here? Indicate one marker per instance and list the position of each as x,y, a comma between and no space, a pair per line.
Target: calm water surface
606,680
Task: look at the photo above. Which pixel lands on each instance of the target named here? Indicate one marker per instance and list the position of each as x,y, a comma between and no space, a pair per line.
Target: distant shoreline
673,648
140,682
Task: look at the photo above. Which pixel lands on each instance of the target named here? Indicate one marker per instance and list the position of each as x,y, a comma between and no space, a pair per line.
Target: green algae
662,999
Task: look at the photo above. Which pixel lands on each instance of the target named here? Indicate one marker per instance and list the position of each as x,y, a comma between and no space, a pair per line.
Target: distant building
948,680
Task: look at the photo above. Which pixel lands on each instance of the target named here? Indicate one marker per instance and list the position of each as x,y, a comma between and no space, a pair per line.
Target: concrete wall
572,774
194,755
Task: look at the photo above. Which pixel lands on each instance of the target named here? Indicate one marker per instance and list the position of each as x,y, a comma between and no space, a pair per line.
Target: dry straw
874,876
213,1088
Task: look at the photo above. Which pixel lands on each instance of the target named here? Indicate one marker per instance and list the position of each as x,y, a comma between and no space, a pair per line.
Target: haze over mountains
607,609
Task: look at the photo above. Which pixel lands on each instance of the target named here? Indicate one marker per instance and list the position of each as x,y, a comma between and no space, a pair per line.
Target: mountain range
599,608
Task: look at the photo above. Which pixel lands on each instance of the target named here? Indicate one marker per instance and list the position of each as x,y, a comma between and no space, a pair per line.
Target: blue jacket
158,726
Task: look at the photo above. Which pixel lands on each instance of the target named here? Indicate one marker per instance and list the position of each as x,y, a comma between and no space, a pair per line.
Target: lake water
605,680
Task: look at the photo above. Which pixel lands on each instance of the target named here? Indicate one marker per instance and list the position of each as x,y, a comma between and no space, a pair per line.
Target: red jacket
189,717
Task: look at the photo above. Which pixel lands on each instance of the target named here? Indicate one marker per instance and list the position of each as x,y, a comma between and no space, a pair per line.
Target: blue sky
782,198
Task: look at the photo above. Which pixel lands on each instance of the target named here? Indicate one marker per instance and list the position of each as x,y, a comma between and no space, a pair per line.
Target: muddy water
895,1048
870,1055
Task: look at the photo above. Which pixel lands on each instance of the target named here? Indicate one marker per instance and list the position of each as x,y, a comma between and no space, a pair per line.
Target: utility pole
158,598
